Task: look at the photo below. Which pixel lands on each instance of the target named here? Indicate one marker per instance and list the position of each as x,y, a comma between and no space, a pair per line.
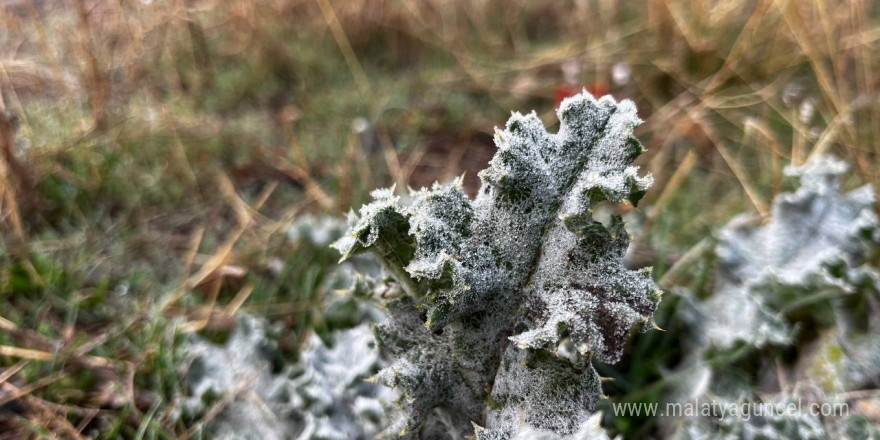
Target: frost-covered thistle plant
803,267
817,241
322,397
503,301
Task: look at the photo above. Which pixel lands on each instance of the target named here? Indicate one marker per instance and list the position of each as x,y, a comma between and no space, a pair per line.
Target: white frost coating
323,397
818,243
240,366
591,429
316,230
525,259
332,392
809,234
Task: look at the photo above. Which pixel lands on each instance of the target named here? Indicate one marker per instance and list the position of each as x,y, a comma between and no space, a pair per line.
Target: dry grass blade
98,84
737,169
188,260
209,272
694,254
26,353
828,136
791,14
15,393
48,414
680,174
301,175
239,299
41,355
391,159
243,212
11,371
7,325
221,256
344,44
363,84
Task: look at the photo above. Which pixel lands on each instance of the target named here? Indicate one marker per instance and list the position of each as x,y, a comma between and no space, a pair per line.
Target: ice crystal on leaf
495,286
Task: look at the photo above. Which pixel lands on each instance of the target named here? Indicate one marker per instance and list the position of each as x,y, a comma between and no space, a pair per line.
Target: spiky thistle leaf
497,284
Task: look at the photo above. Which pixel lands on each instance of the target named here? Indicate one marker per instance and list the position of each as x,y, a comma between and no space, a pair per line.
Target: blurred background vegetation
155,152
